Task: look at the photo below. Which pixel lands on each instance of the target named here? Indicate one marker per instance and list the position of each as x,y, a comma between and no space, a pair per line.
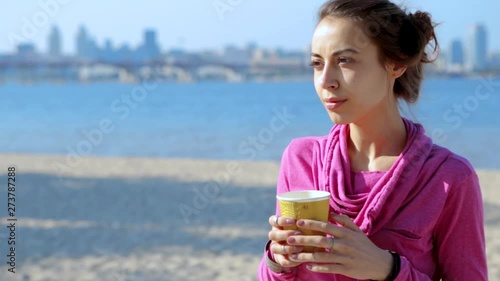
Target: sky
199,25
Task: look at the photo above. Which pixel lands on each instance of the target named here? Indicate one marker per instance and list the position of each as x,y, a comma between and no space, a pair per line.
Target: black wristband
396,266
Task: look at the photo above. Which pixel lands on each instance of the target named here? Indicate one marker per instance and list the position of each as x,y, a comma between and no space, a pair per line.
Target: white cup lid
303,196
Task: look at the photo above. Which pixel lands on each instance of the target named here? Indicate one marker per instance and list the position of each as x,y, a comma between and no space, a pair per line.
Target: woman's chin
339,119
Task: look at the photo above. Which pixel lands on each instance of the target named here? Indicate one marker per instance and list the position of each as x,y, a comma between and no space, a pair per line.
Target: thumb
345,221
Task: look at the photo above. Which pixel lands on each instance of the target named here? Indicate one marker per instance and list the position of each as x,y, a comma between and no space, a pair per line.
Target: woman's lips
333,103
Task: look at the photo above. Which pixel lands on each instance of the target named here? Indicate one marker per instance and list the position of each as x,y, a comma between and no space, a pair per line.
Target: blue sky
195,24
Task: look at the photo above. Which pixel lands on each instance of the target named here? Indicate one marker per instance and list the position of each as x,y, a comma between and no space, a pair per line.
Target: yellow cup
305,204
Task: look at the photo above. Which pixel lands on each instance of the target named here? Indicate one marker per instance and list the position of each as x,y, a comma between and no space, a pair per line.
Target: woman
402,207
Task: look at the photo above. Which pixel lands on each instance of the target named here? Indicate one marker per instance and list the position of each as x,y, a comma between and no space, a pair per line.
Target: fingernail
297,233
289,221
290,240
336,216
309,266
300,223
294,256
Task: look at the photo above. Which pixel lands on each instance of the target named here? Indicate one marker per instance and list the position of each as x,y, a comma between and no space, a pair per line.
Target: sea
249,121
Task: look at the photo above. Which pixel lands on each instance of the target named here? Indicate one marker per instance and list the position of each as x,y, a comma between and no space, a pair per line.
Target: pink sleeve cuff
265,272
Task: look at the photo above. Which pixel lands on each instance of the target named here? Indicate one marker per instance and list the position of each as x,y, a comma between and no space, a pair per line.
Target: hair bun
417,26
422,21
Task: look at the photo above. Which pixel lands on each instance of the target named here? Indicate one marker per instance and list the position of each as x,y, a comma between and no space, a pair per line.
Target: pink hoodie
427,207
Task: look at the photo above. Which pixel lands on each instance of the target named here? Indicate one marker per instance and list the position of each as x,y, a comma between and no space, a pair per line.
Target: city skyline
208,25
94,61
51,47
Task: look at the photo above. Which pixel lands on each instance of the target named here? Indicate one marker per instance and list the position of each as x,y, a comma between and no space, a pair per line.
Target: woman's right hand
279,248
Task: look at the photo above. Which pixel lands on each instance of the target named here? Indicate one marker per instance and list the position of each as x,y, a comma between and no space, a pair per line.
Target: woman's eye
316,64
345,60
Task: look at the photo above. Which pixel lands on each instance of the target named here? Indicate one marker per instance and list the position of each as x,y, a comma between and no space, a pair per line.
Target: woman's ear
396,70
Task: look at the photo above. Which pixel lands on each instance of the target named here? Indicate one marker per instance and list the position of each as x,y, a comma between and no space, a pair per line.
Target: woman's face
350,80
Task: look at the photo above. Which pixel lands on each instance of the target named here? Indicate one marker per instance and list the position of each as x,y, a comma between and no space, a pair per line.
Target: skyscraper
150,48
477,50
55,42
457,53
82,43
86,46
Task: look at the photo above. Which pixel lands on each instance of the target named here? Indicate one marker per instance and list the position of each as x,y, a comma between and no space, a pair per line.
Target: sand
132,219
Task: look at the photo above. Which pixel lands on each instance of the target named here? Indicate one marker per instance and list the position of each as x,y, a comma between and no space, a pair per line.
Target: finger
283,249
317,257
279,221
327,268
314,241
280,236
283,261
346,222
324,227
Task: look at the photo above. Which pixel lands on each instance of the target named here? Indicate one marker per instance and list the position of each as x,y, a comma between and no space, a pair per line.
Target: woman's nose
328,81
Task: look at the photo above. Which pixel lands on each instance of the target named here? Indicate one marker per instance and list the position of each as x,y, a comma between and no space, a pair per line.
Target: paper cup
305,204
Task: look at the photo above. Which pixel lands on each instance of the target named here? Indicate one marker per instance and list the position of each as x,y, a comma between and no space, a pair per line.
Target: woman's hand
351,253
279,248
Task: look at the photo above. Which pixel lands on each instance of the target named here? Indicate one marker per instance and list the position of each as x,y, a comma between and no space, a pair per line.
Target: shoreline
40,160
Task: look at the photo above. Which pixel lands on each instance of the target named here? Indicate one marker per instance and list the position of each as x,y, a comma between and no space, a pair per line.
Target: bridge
69,68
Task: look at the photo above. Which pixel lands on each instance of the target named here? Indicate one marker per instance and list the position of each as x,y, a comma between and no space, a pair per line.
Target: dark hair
400,36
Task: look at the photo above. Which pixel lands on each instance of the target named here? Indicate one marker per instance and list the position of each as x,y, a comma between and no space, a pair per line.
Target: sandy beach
132,219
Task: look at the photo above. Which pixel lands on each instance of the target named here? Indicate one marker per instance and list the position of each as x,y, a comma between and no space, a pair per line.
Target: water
247,121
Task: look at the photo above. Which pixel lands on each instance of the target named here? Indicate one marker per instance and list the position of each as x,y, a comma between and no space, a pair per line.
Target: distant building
251,48
55,42
26,49
108,45
82,43
477,50
457,53
124,53
107,54
86,47
234,55
495,61
176,52
209,56
150,48
454,60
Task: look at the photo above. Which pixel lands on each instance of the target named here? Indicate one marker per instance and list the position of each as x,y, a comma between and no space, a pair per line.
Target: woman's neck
375,142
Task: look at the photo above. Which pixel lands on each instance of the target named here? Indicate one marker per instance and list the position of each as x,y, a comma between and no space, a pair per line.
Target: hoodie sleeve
299,168
264,273
459,234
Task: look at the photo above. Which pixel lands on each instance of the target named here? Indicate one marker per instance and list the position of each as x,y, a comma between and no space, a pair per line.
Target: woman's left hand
351,252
